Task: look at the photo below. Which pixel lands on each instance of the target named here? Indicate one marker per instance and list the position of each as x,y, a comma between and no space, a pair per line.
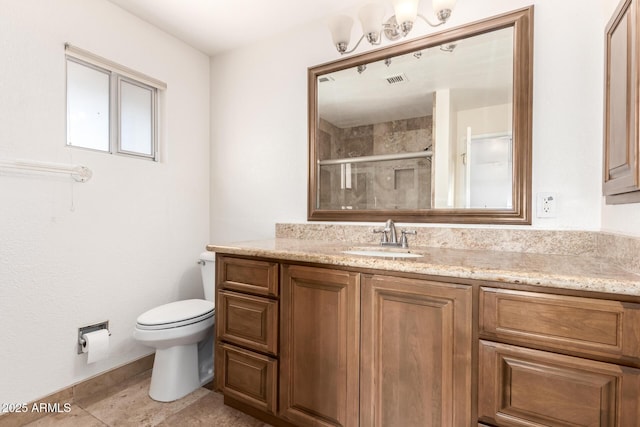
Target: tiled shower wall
395,184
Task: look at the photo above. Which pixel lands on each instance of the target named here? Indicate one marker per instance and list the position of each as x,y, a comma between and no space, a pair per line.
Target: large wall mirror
436,129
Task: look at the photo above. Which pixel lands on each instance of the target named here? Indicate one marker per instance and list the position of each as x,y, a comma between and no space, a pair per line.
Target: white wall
73,254
259,115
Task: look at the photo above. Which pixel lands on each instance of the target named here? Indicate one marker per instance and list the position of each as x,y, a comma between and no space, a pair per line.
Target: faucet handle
384,238
403,238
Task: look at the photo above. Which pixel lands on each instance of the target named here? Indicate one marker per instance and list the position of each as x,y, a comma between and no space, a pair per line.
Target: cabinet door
416,353
520,387
621,168
319,347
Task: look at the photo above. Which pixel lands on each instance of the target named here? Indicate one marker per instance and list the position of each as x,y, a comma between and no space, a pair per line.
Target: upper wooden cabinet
621,181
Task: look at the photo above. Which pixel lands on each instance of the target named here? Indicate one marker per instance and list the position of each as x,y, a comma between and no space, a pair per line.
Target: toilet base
205,359
175,373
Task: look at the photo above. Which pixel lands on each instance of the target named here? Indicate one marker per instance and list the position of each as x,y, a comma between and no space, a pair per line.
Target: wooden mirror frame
520,214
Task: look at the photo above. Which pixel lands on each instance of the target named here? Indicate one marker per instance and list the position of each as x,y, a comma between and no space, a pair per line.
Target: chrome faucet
390,236
390,228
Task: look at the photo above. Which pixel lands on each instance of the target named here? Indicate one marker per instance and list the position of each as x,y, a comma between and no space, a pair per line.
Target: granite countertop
559,271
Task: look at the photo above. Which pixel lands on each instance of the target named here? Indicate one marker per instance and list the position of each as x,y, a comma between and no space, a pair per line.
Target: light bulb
443,8
405,10
340,27
371,18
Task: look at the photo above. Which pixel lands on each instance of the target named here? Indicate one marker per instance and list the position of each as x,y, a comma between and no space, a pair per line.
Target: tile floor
130,405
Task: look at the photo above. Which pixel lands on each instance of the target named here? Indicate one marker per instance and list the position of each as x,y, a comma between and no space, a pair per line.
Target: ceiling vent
324,79
398,78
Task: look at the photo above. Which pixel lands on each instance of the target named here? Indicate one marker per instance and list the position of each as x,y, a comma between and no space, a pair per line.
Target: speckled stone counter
584,273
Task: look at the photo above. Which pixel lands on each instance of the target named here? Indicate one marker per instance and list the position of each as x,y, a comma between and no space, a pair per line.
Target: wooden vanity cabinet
352,349
554,360
525,387
246,349
319,353
312,345
416,353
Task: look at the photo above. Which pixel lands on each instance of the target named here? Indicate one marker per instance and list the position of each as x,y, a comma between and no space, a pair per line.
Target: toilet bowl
182,334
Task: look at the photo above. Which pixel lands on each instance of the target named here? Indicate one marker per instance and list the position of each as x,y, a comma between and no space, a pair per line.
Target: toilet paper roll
96,345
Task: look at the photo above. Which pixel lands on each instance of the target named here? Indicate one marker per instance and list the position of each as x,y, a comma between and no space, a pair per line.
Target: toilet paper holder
91,328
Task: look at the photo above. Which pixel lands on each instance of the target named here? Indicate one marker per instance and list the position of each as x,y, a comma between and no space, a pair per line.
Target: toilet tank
208,270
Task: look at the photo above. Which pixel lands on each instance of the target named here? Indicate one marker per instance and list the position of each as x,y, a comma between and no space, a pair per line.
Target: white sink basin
382,253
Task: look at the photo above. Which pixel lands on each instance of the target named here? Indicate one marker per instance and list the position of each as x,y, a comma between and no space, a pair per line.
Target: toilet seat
176,314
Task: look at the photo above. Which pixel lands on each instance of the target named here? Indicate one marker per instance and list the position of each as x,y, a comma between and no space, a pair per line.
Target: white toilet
182,334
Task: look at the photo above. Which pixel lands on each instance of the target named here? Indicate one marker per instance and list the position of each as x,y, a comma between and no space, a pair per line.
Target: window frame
118,74
153,123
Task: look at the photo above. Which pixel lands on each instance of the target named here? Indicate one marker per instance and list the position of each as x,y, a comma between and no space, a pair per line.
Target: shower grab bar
77,172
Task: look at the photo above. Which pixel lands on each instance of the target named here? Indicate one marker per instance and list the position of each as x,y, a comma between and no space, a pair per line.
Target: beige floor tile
91,398
95,388
133,406
210,411
19,419
128,404
76,417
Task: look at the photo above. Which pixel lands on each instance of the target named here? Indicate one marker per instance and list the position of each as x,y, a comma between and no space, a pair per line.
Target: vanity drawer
521,387
248,321
247,275
247,377
573,325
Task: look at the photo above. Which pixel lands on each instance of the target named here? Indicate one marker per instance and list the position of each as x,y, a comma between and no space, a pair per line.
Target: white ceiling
478,73
213,26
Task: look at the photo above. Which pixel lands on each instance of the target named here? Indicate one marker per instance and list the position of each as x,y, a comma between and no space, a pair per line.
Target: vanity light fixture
448,47
371,17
